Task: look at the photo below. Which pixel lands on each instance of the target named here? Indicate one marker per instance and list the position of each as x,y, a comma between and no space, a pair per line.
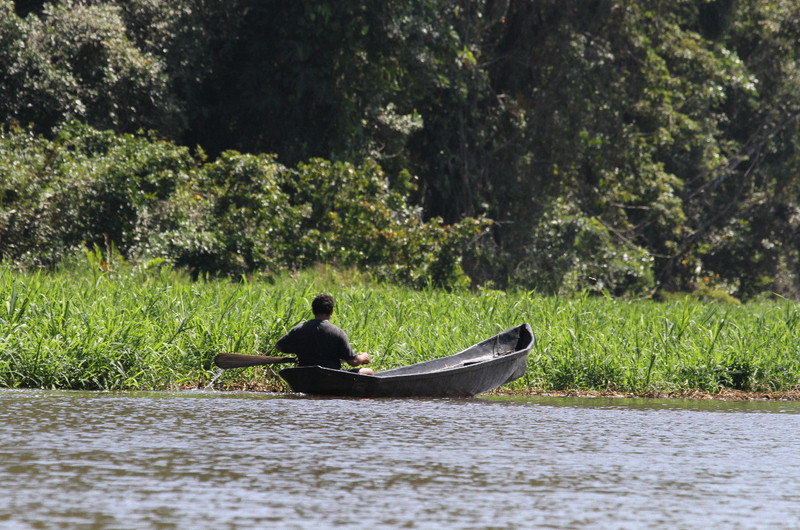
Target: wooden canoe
482,367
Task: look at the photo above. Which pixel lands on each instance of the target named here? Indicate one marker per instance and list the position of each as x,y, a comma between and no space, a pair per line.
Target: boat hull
480,368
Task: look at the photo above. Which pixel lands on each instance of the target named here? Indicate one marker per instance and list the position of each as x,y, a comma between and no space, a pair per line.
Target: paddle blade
238,360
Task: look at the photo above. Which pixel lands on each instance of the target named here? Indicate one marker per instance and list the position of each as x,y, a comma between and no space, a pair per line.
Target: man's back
317,342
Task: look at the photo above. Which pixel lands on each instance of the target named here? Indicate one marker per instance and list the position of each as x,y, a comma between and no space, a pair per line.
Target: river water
244,460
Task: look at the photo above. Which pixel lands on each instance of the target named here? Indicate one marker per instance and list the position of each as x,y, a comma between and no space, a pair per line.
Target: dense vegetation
621,146
122,326
148,200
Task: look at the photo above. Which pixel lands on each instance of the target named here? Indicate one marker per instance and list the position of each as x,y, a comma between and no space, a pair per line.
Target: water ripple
210,460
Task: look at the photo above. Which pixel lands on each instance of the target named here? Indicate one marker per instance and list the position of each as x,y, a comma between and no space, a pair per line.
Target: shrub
353,217
226,219
85,188
239,214
572,252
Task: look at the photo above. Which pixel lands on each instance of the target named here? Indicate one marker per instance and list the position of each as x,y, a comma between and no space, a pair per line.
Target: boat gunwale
476,361
472,365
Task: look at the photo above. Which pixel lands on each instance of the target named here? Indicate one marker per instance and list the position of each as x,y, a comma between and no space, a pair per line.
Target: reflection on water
214,460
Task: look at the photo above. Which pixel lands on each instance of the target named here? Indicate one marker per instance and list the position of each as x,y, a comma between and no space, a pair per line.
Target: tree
76,62
657,128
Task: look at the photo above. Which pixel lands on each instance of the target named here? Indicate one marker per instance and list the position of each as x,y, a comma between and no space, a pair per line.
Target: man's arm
359,359
286,343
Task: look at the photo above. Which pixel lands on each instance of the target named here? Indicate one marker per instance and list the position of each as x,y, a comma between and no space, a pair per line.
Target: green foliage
239,214
355,219
670,127
571,253
708,294
84,188
76,62
103,323
225,218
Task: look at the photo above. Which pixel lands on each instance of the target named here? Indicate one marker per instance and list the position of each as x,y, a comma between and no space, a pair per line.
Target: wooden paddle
238,360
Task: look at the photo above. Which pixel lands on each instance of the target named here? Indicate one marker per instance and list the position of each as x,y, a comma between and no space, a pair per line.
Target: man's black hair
322,305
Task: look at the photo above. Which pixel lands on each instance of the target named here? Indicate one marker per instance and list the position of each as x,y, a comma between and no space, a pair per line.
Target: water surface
237,460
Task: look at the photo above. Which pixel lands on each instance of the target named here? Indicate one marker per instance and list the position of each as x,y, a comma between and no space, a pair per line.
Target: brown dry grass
723,395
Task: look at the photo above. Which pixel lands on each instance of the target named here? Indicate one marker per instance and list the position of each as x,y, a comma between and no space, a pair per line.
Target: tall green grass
146,327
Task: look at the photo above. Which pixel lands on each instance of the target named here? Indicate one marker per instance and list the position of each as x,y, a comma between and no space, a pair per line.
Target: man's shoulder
331,327
306,325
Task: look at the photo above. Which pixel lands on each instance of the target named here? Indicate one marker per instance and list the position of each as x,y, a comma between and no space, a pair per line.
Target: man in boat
318,342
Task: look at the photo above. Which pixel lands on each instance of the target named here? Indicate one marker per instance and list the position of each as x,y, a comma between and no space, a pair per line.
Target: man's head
322,305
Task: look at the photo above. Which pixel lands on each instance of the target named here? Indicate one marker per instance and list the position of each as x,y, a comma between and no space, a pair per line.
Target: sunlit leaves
236,215
76,62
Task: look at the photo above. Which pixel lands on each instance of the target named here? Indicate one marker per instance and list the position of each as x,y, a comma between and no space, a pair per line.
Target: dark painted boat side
480,368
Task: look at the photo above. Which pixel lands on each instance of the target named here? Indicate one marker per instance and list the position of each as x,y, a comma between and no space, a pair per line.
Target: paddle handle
238,360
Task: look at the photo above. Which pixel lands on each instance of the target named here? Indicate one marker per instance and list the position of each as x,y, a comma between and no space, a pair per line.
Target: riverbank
725,394
150,328
722,395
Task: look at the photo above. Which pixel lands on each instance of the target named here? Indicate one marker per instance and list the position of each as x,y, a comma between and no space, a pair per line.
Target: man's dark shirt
317,343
